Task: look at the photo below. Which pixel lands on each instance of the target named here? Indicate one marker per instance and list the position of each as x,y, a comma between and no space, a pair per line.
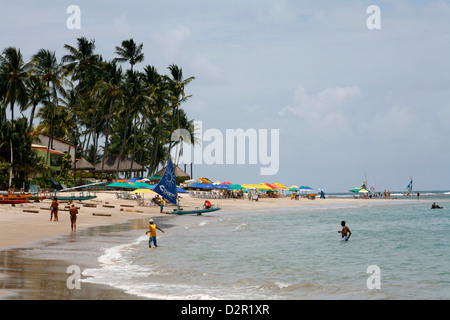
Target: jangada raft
167,188
196,211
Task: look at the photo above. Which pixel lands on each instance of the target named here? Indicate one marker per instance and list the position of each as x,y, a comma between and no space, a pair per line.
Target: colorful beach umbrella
144,191
235,187
280,185
125,185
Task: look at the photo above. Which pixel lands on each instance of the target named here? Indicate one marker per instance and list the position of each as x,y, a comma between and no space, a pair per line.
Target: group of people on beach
73,211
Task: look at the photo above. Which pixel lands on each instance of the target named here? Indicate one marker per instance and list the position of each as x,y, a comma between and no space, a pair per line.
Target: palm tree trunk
123,143
12,112
105,148
134,145
33,109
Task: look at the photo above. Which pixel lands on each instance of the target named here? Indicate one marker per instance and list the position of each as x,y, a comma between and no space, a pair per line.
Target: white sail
410,186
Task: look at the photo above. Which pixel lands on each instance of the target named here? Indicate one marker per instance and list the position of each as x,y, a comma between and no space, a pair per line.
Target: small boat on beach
19,197
13,201
195,211
75,198
72,197
167,188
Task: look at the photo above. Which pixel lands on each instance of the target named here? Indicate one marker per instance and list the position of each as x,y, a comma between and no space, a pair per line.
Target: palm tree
13,74
111,92
176,85
37,92
131,52
83,65
47,67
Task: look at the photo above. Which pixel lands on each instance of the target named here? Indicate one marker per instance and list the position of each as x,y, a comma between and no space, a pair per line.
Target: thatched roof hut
178,172
83,164
111,165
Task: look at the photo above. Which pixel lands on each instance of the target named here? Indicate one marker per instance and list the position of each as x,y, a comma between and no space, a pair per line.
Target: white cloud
329,106
279,12
170,41
203,68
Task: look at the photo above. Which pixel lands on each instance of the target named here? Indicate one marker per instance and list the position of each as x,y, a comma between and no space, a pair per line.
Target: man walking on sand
152,230
73,218
54,209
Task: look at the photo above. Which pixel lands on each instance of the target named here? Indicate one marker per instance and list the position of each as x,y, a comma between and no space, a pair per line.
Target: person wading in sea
345,230
152,231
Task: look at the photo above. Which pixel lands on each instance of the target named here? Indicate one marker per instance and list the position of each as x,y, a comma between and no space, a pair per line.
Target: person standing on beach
54,209
345,230
161,205
152,231
73,218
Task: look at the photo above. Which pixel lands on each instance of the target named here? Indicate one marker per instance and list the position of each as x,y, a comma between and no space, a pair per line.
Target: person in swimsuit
152,230
346,233
54,209
73,218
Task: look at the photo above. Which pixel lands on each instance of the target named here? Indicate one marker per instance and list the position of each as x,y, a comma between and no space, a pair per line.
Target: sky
347,100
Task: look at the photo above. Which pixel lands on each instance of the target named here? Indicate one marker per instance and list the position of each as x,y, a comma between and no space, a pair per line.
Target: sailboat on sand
167,188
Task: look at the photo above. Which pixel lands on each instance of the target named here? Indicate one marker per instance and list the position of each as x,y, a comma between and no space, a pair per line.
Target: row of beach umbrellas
205,183
141,185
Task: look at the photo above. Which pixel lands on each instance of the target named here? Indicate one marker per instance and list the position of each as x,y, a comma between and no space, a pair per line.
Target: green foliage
85,99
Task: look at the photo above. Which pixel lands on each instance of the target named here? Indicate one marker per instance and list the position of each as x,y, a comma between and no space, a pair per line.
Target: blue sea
399,250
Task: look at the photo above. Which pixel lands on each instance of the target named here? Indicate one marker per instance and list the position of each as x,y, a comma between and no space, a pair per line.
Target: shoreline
20,228
22,232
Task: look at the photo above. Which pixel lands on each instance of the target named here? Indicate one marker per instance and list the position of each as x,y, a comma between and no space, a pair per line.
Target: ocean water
293,253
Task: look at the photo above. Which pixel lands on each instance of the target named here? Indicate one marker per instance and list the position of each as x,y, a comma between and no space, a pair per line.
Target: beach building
178,172
58,148
180,175
125,166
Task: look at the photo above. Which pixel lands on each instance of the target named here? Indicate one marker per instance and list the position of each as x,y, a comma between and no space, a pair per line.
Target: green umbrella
235,187
125,185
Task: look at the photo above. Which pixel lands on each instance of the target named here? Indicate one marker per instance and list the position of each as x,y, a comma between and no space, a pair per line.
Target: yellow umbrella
263,186
280,185
144,191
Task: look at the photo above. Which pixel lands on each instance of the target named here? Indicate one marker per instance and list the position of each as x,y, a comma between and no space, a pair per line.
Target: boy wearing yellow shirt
152,230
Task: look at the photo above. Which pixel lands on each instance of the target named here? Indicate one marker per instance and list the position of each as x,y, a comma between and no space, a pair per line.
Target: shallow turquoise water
294,253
